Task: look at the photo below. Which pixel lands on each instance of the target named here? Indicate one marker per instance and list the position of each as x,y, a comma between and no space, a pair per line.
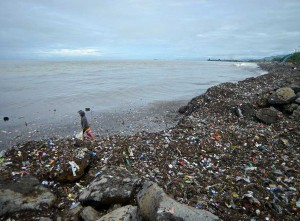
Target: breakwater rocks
233,156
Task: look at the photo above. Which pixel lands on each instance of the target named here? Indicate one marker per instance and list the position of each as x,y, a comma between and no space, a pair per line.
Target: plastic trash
251,198
45,183
127,162
165,210
298,203
50,144
99,173
197,206
105,160
74,167
74,205
130,152
250,168
79,135
257,212
213,191
235,195
243,178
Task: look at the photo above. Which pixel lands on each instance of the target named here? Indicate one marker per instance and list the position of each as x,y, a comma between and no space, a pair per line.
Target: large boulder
125,213
268,115
115,185
282,95
89,214
25,194
73,170
154,204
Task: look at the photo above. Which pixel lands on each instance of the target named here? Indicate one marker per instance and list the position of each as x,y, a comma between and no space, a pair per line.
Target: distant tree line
293,58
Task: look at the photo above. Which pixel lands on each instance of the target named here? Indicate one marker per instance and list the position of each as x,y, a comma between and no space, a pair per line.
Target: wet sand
151,118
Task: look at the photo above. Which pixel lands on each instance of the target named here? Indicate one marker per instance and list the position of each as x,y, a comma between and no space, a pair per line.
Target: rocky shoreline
234,155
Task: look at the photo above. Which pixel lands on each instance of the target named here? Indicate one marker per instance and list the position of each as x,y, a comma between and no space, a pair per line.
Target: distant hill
273,57
293,58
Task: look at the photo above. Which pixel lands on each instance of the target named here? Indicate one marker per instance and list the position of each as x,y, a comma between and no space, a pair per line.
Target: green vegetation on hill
293,58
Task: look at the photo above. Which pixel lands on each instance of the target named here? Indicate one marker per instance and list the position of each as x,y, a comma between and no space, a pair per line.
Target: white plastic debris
74,205
250,168
246,179
74,167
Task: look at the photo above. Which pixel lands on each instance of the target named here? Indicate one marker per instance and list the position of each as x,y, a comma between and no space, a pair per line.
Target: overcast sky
148,29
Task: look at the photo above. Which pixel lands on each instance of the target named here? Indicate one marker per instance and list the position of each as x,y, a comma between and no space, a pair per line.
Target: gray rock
182,109
297,95
154,204
289,108
297,101
268,115
296,114
262,100
282,95
73,214
248,110
89,214
20,196
125,213
114,207
111,187
23,185
296,88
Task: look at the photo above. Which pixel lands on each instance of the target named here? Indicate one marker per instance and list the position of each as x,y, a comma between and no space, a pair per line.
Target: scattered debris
227,163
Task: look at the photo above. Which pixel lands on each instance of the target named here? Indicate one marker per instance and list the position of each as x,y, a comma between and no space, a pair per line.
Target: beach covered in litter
234,154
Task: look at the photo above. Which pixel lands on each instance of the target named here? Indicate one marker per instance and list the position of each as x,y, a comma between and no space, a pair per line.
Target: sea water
28,88
35,91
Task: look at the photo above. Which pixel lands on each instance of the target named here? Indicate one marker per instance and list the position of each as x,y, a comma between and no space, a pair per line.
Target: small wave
206,83
245,64
262,72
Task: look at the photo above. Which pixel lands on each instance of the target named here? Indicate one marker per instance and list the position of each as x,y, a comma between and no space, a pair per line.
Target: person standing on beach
85,126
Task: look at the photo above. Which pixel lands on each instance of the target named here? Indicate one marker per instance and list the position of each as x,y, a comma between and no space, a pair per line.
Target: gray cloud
148,29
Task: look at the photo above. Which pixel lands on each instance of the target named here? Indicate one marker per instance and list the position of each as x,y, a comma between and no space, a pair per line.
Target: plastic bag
79,135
